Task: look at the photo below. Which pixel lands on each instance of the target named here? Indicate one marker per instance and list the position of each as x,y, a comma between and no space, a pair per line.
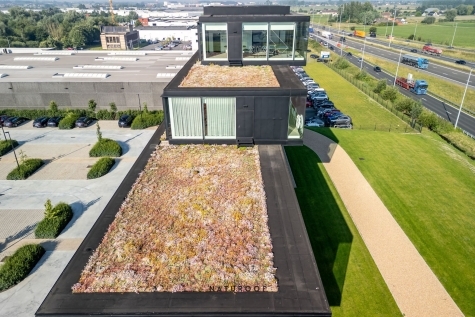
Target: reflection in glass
215,40
301,40
281,40
296,117
254,40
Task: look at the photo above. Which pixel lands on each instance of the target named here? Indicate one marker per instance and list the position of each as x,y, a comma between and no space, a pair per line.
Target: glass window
281,40
215,41
254,40
296,117
186,118
219,118
301,40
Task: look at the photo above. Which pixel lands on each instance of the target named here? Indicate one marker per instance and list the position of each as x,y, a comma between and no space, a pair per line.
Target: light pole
394,20
362,58
397,69
11,143
339,24
463,98
452,45
414,38
140,107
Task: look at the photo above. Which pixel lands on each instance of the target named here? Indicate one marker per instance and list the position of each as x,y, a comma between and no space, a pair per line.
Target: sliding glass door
186,118
219,116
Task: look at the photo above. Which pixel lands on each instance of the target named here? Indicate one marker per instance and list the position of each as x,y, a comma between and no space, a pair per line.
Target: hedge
147,119
101,167
68,122
106,147
102,114
50,228
6,146
26,169
19,265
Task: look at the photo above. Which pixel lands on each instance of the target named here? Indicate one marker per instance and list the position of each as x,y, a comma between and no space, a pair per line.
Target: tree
113,107
82,6
380,86
138,23
373,29
428,20
416,110
98,132
450,15
53,107
389,93
92,105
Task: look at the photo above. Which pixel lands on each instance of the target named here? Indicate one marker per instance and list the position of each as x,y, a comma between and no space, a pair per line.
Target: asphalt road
443,72
405,49
466,122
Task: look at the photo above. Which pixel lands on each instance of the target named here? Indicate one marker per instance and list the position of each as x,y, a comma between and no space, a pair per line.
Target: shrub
101,167
19,265
390,93
53,107
54,222
362,75
428,20
416,110
91,106
27,168
106,147
113,107
380,86
404,105
6,146
147,119
68,122
341,63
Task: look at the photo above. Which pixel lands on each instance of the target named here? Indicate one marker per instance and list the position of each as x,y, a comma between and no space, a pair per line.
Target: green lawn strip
428,187
364,112
349,274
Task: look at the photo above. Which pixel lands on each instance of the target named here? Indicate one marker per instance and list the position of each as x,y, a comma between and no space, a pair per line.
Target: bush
404,105
54,222
380,86
101,167
428,20
106,147
19,265
428,119
68,122
362,75
147,119
341,63
6,146
26,169
390,93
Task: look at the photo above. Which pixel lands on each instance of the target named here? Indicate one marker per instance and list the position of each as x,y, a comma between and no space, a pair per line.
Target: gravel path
415,288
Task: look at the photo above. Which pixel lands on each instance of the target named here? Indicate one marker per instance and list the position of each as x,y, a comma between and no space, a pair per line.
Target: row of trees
357,12
52,27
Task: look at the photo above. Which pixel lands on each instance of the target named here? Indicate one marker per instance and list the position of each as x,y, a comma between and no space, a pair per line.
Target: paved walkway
415,288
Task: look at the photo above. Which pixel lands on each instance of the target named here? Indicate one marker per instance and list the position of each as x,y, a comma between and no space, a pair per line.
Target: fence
388,105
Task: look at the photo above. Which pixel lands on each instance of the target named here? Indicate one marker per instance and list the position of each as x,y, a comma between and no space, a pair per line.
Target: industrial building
71,78
239,114
119,37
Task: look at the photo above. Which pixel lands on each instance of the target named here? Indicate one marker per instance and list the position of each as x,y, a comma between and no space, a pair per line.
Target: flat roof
226,76
143,68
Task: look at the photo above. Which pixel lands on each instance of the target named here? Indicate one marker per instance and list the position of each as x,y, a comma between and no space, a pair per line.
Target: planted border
17,267
101,168
25,170
106,147
147,119
52,225
6,146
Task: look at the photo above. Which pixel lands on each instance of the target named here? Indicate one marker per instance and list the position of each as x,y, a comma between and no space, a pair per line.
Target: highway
406,50
466,122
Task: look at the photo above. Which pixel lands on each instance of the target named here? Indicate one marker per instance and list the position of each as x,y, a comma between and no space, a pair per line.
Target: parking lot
183,46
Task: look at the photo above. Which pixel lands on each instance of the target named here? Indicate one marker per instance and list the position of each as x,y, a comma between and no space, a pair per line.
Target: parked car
339,120
325,104
83,122
461,62
377,69
40,122
3,118
54,121
320,96
314,56
14,121
125,121
315,123
159,48
413,50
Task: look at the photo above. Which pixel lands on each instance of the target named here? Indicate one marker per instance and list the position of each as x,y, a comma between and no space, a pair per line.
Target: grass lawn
446,89
428,188
352,282
365,112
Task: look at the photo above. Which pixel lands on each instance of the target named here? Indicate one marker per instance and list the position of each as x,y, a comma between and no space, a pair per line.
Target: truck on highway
327,34
432,50
415,61
419,86
359,33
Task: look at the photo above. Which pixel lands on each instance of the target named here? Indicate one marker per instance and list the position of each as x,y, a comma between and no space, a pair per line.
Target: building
260,101
162,32
144,21
119,38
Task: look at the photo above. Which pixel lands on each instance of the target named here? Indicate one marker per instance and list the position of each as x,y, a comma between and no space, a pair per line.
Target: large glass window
254,40
215,42
301,40
219,118
186,118
296,117
281,40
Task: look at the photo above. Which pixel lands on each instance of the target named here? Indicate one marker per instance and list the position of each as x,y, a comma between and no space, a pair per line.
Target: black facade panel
246,10
245,118
271,118
234,41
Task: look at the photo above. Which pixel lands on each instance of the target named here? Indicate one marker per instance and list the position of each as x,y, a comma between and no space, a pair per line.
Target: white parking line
424,99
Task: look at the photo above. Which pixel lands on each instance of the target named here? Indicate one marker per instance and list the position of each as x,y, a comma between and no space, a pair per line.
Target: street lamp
362,58
414,38
14,153
394,19
397,69
339,24
463,98
452,45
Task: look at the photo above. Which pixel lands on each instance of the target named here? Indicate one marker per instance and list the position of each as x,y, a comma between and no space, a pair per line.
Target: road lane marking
424,99
445,74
